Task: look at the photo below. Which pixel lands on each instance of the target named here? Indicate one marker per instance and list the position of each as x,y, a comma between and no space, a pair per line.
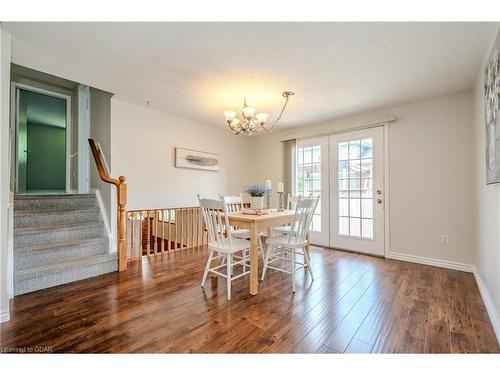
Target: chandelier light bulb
230,116
261,118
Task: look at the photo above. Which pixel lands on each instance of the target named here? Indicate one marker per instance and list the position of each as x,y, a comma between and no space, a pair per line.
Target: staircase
58,239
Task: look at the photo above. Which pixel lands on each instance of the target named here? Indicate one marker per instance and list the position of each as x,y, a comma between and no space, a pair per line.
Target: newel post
121,190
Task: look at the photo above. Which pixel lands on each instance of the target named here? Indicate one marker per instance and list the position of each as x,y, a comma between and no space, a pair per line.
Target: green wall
46,164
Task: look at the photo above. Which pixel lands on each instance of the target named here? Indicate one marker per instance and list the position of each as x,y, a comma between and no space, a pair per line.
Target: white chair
285,248
235,204
222,244
291,202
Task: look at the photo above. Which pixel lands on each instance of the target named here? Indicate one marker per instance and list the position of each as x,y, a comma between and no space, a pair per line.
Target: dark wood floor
356,304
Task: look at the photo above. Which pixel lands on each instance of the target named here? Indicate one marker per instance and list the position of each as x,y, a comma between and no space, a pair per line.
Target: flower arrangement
257,190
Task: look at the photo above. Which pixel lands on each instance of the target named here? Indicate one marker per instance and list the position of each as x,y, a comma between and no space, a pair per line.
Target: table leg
254,260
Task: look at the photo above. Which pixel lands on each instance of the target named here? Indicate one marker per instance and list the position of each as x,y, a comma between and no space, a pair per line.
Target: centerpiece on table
257,193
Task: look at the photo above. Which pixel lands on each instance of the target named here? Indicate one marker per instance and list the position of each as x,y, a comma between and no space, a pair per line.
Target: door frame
15,106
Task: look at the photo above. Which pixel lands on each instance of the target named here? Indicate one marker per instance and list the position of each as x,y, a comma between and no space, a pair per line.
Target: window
355,193
308,178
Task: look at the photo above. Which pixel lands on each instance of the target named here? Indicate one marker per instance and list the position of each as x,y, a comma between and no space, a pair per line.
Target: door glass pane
344,226
354,149
355,215
367,228
366,148
308,181
343,207
354,227
343,151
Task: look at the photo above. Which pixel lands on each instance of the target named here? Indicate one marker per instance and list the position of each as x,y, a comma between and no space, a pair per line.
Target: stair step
40,218
25,237
46,276
39,255
52,201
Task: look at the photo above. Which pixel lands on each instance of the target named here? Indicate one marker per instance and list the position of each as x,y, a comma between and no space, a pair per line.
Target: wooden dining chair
291,202
284,249
222,244
235,204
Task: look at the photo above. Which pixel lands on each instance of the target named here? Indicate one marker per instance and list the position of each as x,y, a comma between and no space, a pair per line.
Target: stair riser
23,260
57,235
69,217
67,276
54,203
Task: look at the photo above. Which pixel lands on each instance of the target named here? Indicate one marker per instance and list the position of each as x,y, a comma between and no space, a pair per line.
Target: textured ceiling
198,70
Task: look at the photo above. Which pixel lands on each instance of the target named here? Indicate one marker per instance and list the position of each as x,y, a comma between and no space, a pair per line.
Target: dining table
256,224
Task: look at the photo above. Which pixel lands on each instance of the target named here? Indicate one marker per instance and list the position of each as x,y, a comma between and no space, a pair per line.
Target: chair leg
229,271
266,260
244,260
308,262
207,267
292,253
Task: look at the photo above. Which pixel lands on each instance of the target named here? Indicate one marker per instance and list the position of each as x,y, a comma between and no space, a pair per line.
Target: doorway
347,171
43,137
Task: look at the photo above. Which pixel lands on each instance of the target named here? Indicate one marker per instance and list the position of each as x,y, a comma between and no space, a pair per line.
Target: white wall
5,54
431,140
142,150
487,203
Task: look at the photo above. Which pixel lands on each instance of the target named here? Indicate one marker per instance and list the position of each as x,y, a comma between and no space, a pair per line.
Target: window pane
366,148
366,187
343,169
300,156
367,208
354,168
344,226
367,228
355,227
354,184
307,155
343,207
366,168
316,185
316,154
354,207
343,151
354,149
343,184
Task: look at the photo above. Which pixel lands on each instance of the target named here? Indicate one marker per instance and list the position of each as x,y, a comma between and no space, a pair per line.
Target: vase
256,203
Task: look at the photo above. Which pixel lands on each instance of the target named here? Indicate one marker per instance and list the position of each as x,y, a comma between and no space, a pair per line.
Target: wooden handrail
121,193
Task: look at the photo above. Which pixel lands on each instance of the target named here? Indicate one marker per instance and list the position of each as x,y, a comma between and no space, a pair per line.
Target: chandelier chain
287,97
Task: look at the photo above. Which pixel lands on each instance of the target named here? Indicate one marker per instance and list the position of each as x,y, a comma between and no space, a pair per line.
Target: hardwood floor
357,304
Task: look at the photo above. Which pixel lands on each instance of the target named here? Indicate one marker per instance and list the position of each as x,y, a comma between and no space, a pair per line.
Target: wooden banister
121,193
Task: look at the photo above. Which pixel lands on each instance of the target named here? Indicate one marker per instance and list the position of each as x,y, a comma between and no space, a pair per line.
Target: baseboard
488,302
431,262
112,243
4,316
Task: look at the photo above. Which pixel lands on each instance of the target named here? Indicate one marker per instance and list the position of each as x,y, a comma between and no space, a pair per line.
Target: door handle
379,192
379,200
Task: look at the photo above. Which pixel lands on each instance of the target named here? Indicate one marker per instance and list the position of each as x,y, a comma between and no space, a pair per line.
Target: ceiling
198,70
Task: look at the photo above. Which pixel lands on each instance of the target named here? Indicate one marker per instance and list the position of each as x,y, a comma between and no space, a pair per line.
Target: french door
312,180
346,170
357,190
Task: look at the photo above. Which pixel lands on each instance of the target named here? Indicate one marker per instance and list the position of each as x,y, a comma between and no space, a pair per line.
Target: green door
42,128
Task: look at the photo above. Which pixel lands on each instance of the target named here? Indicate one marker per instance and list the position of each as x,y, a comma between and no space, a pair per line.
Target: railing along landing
158,231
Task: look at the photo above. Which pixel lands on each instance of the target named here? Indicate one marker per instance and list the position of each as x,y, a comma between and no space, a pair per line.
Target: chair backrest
291,201
233,203
215,216
304,211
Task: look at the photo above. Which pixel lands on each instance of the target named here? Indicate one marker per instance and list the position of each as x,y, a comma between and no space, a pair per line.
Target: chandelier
250,122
